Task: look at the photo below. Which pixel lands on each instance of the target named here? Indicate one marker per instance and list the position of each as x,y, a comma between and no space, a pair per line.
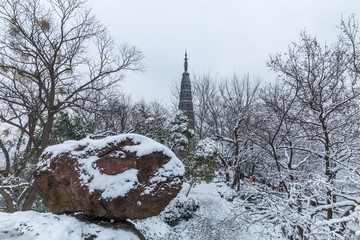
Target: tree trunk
328,171
32,128
6,172
46,133
188,191
226,168
9,202
236,183
30,199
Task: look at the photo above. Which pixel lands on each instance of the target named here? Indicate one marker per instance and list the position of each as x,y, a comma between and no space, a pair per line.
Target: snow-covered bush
226,192
181,207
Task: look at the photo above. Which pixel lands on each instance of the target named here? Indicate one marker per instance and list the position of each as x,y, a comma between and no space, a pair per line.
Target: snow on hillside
45,226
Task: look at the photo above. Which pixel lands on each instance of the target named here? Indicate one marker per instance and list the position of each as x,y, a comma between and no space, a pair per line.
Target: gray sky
221,36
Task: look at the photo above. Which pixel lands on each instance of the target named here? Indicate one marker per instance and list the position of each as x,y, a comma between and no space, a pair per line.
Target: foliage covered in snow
181,208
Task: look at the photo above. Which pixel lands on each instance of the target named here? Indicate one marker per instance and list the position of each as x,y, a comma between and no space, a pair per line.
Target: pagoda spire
186,62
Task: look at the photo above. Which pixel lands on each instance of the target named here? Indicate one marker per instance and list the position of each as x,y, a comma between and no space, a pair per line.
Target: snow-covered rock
117,177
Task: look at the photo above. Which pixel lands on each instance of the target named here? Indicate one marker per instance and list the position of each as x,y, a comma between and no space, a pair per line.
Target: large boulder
118,177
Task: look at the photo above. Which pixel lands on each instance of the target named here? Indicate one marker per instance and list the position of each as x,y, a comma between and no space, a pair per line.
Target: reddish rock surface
118,177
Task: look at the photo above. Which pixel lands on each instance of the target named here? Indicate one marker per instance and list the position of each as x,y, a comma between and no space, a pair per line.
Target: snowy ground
44,226
216,219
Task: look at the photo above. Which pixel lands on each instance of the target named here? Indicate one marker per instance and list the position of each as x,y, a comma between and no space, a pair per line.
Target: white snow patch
155,228
115,185
112,186
45,226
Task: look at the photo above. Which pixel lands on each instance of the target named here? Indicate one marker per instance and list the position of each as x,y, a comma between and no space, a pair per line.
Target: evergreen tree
68,127
181,136
150,120
203,162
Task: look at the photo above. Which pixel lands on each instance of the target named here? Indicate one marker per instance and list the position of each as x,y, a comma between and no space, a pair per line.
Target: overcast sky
221,36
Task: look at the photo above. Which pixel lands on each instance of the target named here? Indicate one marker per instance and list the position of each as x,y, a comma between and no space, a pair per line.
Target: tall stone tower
186,104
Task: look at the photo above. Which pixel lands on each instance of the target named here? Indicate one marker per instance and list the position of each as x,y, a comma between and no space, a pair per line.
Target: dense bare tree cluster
301,135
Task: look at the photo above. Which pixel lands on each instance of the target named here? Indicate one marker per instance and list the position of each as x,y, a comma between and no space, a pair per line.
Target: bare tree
53,56
208,111
223,111
286,169
48,62
238,100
